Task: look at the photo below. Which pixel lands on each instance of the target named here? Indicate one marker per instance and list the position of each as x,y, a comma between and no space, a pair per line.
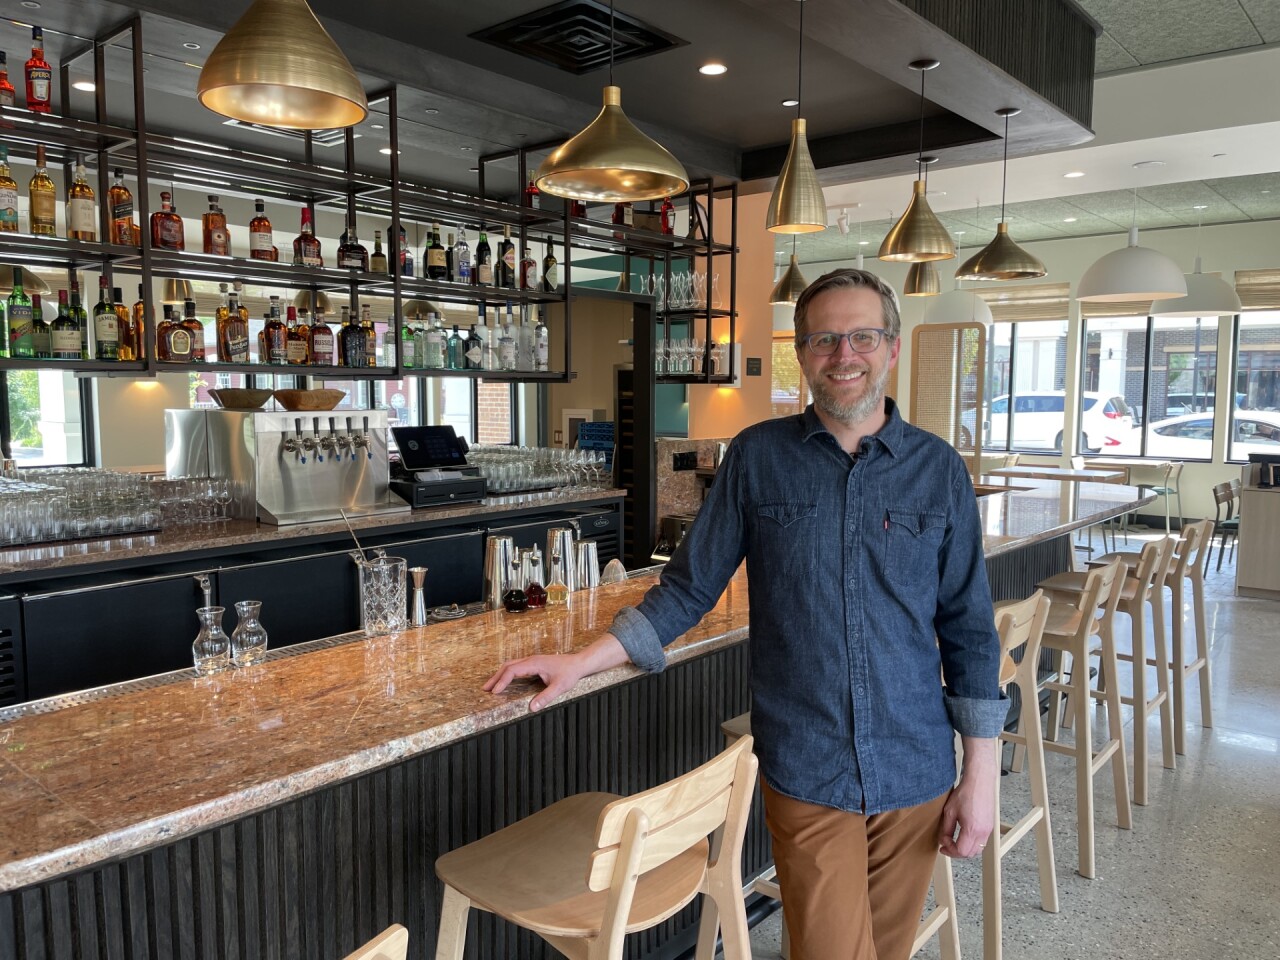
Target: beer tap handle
315,438
299,448
368,451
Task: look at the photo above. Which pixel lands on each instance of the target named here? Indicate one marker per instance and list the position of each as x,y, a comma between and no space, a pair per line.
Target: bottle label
171,232
311,255
260,242
106,327
44,205
408,350
474,355
551,279
528,275
507,353
436,258
351,258
122,212
219,240
542,351
238,348
296,351
463,270
484,274
322,349
179,344
8,208
39,80
40,339
66,344
7,97
80,216
20,323
509,258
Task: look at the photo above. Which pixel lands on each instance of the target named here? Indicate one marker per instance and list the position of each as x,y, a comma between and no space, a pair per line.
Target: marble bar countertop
95,776
63,556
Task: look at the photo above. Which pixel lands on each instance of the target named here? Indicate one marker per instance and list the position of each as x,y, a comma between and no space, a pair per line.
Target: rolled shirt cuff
971,717
639,639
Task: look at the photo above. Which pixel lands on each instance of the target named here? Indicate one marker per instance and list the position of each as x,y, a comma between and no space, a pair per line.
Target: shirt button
861,691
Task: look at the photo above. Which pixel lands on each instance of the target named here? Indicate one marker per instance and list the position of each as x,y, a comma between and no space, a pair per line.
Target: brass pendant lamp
279,67
176,291
611,160
791,284
797,204
31,282
319,302
1002,259
922,280
919,235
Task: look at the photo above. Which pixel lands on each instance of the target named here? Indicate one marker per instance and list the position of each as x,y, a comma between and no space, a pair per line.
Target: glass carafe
249,639
211,650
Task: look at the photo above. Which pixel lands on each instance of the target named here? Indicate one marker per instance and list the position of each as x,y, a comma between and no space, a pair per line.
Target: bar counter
182,796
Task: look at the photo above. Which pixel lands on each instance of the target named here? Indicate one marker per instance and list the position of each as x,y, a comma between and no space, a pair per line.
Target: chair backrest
1023,622
1193,552
671,818
1011,459
1077,462
1102,591
1175,471
391,944
1153,563
1222,496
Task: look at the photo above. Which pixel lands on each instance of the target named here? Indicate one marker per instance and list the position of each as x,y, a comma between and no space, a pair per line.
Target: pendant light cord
612,43
1004,173
920,150
800,63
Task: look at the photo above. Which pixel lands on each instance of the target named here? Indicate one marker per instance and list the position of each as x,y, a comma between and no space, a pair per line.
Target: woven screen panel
1259,289
948,372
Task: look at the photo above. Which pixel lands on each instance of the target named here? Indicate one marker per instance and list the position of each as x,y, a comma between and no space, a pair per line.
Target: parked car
1038,416
1190,436
1176,404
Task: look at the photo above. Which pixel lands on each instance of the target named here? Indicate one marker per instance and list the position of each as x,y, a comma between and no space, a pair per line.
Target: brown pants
853,886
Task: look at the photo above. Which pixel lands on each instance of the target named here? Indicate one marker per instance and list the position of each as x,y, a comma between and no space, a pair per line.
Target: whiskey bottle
43,199
321,341
167,231
370,336
8,195
377,259
21,317
306,248
541,343
128,348
456,350
64,332
217,238
40,342
578,209
120,205
507,261
178,346
623,214
140,321
261,244
484,262
194,330
528,271
353,254
232,329
106,325
8,96
81,317
39,76
82,220
298,334
350,341
437,263
550,270
462,259
276,336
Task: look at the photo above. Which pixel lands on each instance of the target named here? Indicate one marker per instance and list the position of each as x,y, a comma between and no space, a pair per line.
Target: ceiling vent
574,36
321,138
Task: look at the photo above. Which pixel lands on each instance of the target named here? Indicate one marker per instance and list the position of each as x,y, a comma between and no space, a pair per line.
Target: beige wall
131,418
598,326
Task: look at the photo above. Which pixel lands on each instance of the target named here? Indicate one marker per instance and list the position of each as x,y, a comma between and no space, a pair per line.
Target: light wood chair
1020,622
586,871
391,944
1143,590
940,920
1070,630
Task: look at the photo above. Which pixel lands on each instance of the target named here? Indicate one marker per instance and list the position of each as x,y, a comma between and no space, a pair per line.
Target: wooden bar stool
391,944
1070,629
1138,592
1020,622
940,920
584,872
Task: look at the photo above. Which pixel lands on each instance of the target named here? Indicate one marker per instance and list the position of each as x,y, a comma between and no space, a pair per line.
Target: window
48,410
790,392
1026,363
1256,378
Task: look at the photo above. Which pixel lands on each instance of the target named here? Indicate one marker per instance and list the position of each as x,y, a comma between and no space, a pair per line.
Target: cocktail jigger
419,575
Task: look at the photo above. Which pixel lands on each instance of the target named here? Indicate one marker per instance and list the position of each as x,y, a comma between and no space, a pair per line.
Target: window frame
803,397
88,433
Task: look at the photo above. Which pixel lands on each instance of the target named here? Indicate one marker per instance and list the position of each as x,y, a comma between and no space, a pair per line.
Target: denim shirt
854,566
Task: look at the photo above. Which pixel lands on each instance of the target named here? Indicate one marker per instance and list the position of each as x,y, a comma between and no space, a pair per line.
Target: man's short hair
844,278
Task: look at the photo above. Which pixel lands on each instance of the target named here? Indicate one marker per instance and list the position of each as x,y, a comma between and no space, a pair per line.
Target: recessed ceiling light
1068,219
31,4
713,69
466,149
1266,191
87,86
863,243
1143,164
790,102
431,110
1201,206
375,126
1073,174
474,169
960,233
387,151
191,46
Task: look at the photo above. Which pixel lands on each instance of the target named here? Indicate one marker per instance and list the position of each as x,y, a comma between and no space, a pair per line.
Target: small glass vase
211,651
249,639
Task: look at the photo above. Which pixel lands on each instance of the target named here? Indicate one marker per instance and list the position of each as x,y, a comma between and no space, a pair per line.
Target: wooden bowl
301,400
239,398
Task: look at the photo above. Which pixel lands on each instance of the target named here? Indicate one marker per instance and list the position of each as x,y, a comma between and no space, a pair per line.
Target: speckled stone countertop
91,779
241,533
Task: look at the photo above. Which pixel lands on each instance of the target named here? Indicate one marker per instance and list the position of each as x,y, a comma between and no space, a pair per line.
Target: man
867,583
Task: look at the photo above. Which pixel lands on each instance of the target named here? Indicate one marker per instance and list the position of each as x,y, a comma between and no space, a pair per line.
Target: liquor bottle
298,339
489,351
40,333
456,351
462,259
370,336
532,195
82,220
276,336
217,238
541,343
321,341
578,208
507,261
181,343
21,316
352,253
404,256
507,347
484,262
475,344
378,259
408,345
528,271
106,325
43,198
139,322
120,204
350,341
550,270
526,358
668,212
306,248
433,345
231,330
64,332
39,76
81,317
8,195
437,263
450,272
8,96
261,244
194,329
128,348
623,214
167,231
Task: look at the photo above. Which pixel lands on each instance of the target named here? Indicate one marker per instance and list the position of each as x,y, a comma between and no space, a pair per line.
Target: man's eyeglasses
862,341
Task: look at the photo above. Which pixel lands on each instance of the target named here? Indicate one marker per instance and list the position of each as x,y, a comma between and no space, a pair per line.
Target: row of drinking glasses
684,291
74,503
514,469
191,500
683,356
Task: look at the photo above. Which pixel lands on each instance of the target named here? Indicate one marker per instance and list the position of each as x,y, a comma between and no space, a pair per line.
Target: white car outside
1190,436
1038,416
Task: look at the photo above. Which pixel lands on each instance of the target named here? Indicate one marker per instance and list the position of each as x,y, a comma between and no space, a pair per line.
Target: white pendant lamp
1131,273
1206,296
797,204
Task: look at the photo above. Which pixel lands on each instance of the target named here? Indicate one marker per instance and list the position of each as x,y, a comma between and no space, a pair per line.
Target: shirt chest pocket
785,531
911,542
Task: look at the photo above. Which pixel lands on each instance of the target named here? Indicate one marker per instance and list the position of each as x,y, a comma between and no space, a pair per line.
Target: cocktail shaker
587,566
419,607
498,555
560,543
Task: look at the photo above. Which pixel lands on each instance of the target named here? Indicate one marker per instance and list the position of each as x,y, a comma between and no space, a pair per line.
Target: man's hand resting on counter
559,672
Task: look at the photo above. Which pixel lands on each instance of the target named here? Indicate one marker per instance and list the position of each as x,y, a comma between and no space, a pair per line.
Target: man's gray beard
849,413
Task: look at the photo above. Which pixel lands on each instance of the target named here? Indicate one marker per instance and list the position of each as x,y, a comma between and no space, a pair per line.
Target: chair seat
1232,524
534,872
1073,582
1064,620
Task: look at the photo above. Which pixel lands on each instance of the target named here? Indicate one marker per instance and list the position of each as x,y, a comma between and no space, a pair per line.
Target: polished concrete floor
1198,876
